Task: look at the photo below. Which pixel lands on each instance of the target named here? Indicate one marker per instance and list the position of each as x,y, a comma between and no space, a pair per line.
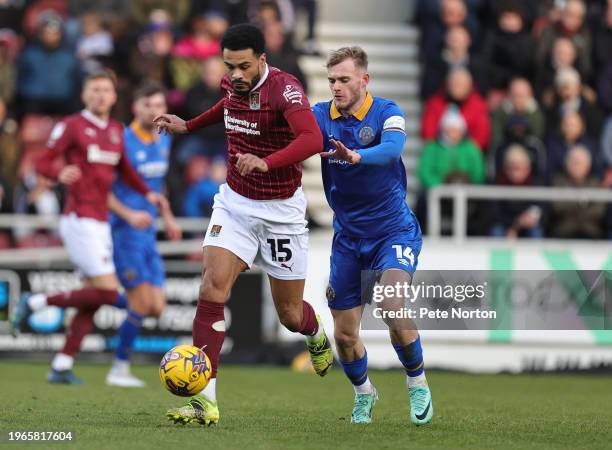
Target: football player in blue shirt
139,265
374,229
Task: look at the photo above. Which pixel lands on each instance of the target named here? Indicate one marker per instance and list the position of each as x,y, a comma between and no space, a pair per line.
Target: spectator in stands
150,58
177,9
309,46
8,54
203,42
571,95
563,55
265,12
451,13
236,11
9,147
490,11
95,45
206,177
572,133
204,39
602,44
514,218
281,54
520,101
453,157
208,141
602,40
606,148
577,219
48,73
456,53
571,25
108,9
5,195
509,48
518,132
604,88
460,93
11,15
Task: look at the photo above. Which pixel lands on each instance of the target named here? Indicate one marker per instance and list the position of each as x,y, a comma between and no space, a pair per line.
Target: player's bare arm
158,200
169,123
173,230
138,219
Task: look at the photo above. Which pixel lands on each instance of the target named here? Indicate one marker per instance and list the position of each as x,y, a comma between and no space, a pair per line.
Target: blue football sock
411,357
128,332
121,302
357,371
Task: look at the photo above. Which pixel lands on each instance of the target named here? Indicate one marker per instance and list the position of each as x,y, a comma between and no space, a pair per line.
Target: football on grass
185,370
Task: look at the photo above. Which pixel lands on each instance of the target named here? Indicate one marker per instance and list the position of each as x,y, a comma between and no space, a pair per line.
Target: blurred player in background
258,216
139,266
375,230
91,145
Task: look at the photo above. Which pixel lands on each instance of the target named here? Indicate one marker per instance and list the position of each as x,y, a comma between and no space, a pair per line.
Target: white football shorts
89,244
271,234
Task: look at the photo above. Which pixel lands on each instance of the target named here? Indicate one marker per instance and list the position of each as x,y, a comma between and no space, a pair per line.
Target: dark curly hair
244,36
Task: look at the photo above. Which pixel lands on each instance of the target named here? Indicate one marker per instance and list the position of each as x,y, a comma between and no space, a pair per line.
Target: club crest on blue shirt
254,100
366,135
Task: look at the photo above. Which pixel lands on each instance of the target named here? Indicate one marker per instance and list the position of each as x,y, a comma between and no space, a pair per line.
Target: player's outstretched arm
390,148
387,152
137,219
169,123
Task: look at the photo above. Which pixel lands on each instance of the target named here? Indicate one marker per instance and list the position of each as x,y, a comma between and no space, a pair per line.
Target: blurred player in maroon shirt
91,146
258,215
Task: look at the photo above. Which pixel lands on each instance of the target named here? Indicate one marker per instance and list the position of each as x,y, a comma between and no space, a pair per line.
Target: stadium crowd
515,93
519,93
47,47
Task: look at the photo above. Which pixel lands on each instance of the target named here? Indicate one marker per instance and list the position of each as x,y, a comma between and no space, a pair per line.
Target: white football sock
37,302
62,362
365,388
419,380
210,391
315,337
121,366
319,333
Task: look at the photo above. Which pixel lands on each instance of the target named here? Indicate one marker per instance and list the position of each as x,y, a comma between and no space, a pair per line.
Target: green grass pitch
275,408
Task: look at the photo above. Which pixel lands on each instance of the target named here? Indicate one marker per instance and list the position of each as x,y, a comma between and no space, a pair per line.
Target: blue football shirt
368,200
149,155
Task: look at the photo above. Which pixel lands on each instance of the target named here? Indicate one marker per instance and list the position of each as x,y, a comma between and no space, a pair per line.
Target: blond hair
356,53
